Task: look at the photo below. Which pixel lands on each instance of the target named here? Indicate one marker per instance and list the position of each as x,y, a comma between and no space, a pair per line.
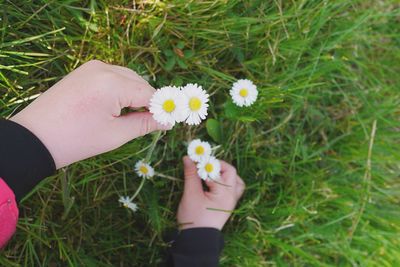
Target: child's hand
79,116
208,209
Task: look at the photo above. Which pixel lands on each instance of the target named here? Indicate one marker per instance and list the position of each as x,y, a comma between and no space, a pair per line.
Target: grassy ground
318,151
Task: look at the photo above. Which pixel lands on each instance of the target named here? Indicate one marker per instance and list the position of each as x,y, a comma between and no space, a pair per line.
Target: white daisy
143,169
244,93
209,168
127,203
167,105
197,150
196,103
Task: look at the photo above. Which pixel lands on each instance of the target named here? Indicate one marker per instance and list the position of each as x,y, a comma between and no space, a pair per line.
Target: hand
79,117
213,208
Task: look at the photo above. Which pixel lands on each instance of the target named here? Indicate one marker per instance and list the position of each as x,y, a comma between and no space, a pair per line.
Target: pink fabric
8,213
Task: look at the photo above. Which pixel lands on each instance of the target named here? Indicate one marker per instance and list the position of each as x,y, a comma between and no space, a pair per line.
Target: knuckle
131,71
241,182
234,171
145,126
106,76
95,62
230,168
242,187
233,199
190,173
230,174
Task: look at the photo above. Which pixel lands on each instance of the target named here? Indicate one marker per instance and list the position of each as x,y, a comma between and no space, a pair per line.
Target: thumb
137,124
192,179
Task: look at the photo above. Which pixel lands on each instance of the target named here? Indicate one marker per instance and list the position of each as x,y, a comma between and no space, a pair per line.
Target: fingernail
165,127
187,160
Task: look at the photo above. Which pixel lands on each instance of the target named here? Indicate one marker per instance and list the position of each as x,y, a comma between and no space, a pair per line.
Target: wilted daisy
197,150
167,105
209,168
243,92
127,203
196,103
143,169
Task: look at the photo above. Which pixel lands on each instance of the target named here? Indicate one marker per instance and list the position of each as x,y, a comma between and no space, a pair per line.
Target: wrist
27,160
205,224
35,129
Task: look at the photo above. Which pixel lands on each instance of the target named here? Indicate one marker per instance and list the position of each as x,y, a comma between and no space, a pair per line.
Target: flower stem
169,177
139,189
157,137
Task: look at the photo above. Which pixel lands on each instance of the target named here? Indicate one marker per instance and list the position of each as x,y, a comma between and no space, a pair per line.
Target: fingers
127,72
192,180
229,180
228,173
133,91
214,187
137,124
140,91
134,94
240,186
130,91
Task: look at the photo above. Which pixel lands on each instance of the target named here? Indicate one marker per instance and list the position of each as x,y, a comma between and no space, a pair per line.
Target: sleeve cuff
194,247
199,241
25,161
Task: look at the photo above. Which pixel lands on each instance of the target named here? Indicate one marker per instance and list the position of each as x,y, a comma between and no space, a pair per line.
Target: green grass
323,185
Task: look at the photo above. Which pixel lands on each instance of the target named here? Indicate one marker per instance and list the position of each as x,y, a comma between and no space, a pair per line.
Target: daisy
244,93
166,105
143,169
209,168
197,150
127,203
196,103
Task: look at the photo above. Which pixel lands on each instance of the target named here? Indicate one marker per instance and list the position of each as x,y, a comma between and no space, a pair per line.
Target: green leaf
170,64
234,112
180,45
182,64
247,118
177,81
231,110
214,130
188,53
168,52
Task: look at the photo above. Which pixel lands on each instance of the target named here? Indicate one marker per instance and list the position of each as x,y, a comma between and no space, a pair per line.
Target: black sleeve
195,247
24,160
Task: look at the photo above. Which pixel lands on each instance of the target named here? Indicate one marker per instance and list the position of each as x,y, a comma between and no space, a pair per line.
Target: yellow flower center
243,92
194,103
199,150
209,167
169,105
143,169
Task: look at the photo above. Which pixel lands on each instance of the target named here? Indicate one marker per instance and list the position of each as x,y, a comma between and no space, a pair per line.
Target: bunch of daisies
208,167
170,104
189,104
